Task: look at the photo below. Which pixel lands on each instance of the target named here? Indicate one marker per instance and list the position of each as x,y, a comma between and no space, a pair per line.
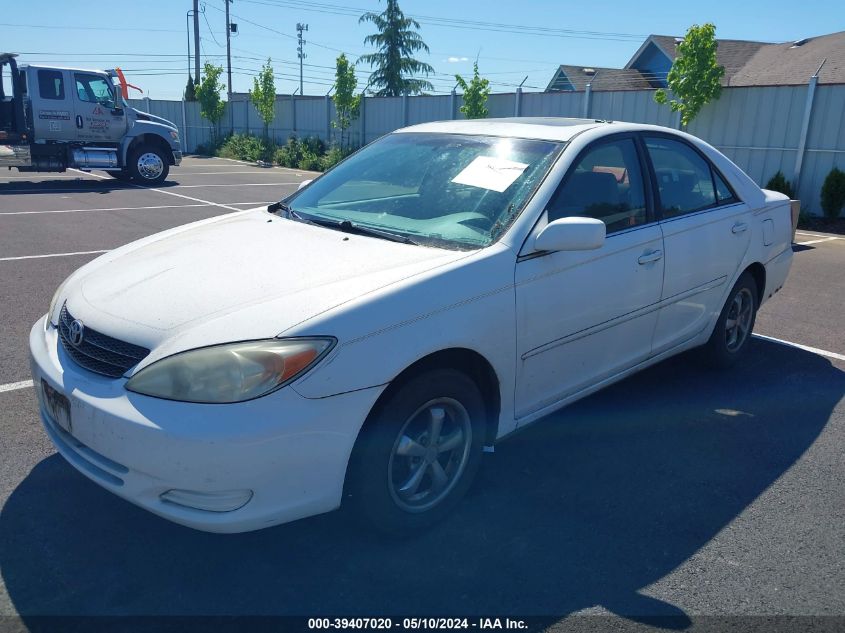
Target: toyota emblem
75,332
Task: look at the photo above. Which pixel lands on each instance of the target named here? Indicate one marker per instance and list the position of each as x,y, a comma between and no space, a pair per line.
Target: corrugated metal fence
762,129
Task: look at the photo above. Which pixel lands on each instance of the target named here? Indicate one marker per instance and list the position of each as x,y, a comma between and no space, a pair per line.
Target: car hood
242,276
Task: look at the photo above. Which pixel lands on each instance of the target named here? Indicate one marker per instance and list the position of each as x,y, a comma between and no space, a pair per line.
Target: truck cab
54,118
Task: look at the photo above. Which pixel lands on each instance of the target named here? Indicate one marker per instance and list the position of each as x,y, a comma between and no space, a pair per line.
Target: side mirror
304,183
571,234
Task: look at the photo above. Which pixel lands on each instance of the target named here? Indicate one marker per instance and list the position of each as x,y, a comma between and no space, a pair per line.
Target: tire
393,483
731,334
123,175
148,165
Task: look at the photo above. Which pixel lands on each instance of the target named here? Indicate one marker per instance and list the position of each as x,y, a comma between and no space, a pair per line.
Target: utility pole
228,51
196,42
300,50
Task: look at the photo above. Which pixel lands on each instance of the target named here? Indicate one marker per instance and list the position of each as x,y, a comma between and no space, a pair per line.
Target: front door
99,116
583,316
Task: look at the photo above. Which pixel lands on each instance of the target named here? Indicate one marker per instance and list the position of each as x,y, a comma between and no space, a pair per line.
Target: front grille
97,352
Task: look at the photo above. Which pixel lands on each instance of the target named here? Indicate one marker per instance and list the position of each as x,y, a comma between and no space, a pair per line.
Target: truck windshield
448,190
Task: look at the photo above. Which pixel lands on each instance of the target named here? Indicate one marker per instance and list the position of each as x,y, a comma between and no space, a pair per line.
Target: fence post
362,115
517,106
404,109
328,118
184,129
452,99
805,127
588,101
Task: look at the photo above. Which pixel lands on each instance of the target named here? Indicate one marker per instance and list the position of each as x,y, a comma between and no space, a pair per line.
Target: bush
332,157
246,147
310,161
833,193
289,154
778,182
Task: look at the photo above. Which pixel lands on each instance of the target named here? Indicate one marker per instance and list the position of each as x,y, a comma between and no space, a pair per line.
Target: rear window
51,84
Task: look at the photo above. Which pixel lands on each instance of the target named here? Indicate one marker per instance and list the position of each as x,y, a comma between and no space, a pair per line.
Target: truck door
99,115
52,107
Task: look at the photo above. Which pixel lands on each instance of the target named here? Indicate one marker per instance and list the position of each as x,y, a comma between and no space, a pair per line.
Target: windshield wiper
339,225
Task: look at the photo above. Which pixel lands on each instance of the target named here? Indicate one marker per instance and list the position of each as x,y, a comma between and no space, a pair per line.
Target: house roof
600,78
793,63
732,54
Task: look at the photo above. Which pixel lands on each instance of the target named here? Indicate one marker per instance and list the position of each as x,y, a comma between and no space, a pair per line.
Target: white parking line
172,193
825,239
166,206
11,259
806,348
808,234
12,386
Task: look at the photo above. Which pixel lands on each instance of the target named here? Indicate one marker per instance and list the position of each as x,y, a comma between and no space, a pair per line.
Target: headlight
174,134
230,373
55,300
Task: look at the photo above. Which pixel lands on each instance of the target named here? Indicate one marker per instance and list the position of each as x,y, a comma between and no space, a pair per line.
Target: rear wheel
148,165
736,322
417,456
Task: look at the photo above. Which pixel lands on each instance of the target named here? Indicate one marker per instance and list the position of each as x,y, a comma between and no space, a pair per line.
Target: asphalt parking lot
677,493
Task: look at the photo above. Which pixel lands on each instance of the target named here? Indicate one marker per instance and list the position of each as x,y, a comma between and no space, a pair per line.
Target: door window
51,85
606,184
684,179
94,89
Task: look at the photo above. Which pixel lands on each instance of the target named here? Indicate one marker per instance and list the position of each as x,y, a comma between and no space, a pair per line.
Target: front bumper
288,451
177,157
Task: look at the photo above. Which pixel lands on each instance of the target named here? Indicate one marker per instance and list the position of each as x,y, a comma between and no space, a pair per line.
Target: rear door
706,232
52,106
98,115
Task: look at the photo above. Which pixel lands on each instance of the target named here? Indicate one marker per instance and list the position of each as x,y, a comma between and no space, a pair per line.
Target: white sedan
366,339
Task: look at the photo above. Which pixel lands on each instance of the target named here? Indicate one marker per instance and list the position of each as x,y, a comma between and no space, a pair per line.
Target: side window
94,89
606,184
684,181
724,193
51,84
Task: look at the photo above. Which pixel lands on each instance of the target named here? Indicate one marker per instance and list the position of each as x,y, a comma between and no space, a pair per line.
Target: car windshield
445,190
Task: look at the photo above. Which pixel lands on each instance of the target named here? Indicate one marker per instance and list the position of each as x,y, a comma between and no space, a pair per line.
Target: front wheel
736,322
418,454
148,165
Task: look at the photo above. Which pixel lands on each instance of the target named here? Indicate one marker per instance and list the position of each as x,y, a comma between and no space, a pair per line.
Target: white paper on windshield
489,172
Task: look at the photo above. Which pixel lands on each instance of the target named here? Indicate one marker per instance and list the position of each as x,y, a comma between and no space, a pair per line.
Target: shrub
289,154
310,161
833,193
246,147
778,182
332,157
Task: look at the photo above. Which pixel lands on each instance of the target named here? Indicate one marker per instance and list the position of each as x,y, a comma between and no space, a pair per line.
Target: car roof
546,128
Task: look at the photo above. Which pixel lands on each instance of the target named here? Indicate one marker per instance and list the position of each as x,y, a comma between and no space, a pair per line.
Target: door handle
739,227
653,256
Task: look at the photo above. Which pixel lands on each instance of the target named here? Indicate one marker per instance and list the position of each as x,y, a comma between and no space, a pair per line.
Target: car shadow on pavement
587,507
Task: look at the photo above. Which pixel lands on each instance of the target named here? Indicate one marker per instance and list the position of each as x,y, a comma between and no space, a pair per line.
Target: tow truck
54,118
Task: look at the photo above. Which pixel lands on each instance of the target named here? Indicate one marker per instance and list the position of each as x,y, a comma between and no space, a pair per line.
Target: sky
513,41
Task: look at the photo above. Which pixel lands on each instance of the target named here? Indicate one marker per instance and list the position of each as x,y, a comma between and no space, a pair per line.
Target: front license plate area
58,407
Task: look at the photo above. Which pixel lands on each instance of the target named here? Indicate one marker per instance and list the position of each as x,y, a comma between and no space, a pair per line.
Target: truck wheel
148,165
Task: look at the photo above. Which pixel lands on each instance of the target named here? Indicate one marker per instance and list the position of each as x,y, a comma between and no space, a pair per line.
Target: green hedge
309,153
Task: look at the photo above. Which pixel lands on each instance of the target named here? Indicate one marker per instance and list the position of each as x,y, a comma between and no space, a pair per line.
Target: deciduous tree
475,95
695,78
347,104
208,94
